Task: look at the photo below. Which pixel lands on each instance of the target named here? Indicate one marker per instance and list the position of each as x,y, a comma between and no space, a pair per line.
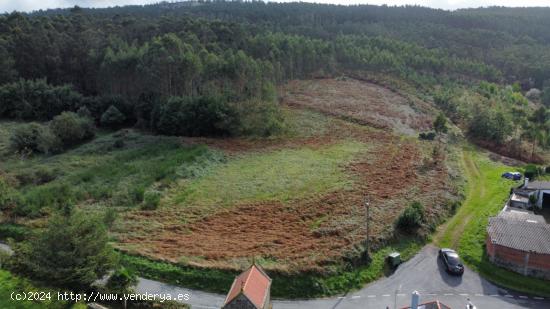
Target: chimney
415,300
525,182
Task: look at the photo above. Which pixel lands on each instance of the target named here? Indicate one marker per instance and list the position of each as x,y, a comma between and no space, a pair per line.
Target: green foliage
440,124
412,217
151,200
9,197
195,117
72,129
489,125
428,136
34,137
84,112
13,231
10,283
72,252
121,281
36,100
531,171
546,96
112,117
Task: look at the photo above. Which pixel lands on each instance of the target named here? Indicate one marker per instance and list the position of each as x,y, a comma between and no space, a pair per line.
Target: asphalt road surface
423,273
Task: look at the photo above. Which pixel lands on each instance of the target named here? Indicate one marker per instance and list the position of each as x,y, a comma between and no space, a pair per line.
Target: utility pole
367,204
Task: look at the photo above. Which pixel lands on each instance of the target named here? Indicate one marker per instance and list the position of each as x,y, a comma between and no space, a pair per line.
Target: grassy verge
284,286
466,231
9,283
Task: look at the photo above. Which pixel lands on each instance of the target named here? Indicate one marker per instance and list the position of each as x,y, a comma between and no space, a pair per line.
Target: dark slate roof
528,234
538,185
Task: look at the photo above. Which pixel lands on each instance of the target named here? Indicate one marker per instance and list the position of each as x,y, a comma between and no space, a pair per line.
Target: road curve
423,273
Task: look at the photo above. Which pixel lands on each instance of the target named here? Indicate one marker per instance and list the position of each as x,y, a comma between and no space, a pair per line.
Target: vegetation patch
283,175
305,285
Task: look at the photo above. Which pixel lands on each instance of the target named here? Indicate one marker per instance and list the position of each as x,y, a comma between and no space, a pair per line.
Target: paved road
423,273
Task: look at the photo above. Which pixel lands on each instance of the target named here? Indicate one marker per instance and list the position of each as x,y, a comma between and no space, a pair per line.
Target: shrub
112,117
257,118
14,231
25,138
440,124
412,217
151,200
531,171
9,197
121,281
110,217
71,128
428,136
203,116
84,112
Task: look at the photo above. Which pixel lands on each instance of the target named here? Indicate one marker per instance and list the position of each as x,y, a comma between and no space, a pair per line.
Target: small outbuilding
250,290
520,242
540,190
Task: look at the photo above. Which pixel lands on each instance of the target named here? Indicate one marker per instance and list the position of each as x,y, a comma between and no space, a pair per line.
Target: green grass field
281,175
466,231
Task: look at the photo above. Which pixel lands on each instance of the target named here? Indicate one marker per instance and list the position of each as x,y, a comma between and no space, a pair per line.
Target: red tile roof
254,283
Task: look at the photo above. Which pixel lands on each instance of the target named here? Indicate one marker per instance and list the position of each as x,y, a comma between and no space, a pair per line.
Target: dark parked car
512,175
452,261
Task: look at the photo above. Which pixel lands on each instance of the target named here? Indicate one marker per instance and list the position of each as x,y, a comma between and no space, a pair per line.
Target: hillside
194,138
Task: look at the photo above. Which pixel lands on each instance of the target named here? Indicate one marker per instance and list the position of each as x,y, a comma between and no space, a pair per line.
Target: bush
34,138
428,136
531,171
412,217
9,197
13,231
84,112
121,281
71,128
151,200
203,116
257,118
112,118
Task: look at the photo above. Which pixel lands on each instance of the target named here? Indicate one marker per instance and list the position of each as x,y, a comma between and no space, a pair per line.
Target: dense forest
215,65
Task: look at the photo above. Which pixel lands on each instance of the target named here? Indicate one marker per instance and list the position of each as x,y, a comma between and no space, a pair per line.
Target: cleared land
361,102
293,201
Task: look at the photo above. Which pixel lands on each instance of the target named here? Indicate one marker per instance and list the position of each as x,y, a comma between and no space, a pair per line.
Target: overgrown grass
101,171
486,194
281,175
305,285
